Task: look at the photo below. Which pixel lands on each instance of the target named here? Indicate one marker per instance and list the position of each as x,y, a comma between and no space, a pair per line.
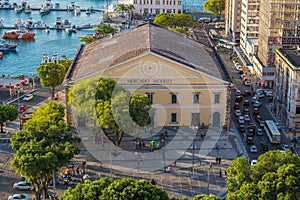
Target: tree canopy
217,7
7,113
206,197
275,176
43,147
170,20
52,74
121,189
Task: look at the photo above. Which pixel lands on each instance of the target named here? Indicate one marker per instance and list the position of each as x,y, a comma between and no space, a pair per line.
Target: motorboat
47,30
24,4
45,59
18,34
4,46
56,5
6,4
47,4
54,58
29,23
88,11
19,24
67,24
72,6
18,9
68,30
44,10
39,25
58,23
77,10
27,9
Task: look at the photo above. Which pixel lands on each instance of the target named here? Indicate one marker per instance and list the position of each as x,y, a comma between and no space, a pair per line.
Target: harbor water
28,55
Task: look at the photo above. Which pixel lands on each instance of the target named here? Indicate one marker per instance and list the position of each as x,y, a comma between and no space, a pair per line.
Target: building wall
233,21
287,93
161,77
145,7
282,27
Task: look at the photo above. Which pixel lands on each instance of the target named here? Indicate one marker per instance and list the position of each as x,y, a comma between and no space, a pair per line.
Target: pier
87,26
64,9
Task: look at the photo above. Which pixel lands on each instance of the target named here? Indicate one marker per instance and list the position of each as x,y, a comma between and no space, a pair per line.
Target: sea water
28,55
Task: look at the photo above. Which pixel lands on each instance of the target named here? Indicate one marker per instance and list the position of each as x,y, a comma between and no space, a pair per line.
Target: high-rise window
217,98
173,98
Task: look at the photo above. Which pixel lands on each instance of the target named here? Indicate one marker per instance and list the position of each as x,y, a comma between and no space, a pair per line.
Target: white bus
272,132
213,34
226,44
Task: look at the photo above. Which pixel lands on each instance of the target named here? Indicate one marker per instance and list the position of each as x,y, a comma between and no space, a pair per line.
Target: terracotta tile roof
146,38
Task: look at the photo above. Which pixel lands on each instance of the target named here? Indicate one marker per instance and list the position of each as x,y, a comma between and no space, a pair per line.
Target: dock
87,26
64,9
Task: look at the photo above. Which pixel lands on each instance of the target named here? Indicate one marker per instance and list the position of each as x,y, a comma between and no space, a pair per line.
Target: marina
48,39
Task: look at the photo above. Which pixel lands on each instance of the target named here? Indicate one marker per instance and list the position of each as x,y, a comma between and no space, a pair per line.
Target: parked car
285,147
19,197
242,76
23,186
247,118
238,92
242,128
246,92
254,99
247,83
249,140
259,132
269,93
251,131
236,106
253,162
260,91
262,123
257,104
253,149
28,97
238,99
238,113
246,102
241,120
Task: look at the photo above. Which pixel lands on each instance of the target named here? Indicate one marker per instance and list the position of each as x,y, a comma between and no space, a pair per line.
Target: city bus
272,132
213,34
226,44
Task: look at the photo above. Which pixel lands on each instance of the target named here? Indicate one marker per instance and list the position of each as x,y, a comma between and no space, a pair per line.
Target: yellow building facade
182,93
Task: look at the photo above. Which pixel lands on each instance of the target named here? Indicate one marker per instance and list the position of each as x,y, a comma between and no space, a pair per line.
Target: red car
22,109
236,106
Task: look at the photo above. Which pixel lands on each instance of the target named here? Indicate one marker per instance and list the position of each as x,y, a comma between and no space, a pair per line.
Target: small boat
44,10
19,24
29,23
27,9
24,4
67,23
58,23
18,9
1,55
39,25
77,10
6,4
47,30
1,22
45,59
47,4
88,11
54,58
4,46
56,5
71,6
18,34
68,30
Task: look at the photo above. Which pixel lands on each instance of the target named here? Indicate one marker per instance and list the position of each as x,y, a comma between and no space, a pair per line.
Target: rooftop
292,55
107,52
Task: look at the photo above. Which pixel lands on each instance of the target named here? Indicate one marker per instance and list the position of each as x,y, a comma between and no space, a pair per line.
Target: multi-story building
249,29
233,19
154,7
287,90
192,5
181,77
279,27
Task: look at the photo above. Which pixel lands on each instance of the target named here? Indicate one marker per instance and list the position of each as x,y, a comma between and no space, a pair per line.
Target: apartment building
279,27
233,19
287,90
154,7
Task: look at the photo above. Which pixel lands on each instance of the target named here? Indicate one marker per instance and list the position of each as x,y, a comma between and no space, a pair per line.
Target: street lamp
138,153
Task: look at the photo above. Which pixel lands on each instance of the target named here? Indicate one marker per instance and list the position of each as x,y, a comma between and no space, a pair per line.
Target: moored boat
4,46
72,6
44,10
77,10
18,34
27,9
18,9
45,59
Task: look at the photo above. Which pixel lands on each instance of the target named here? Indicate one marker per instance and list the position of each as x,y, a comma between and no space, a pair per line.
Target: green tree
104,30
117,110
217,7
52,75
87,39
176,22
7,113
276,176
206,197
122,189
43,147
125,8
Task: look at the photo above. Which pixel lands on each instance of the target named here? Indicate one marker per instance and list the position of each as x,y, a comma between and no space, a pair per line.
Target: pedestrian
225,173
220,173
175,162
153,182
219,160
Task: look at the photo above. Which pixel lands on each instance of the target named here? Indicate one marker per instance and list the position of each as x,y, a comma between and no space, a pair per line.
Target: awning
11,83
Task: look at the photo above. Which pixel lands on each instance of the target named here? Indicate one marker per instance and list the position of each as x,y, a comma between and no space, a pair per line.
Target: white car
253,149
254,99
19,197
253,162
285,147
247,118
269,93
241,120
247,83
23,186
238,92
28,97
257,104
262,123
238,113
